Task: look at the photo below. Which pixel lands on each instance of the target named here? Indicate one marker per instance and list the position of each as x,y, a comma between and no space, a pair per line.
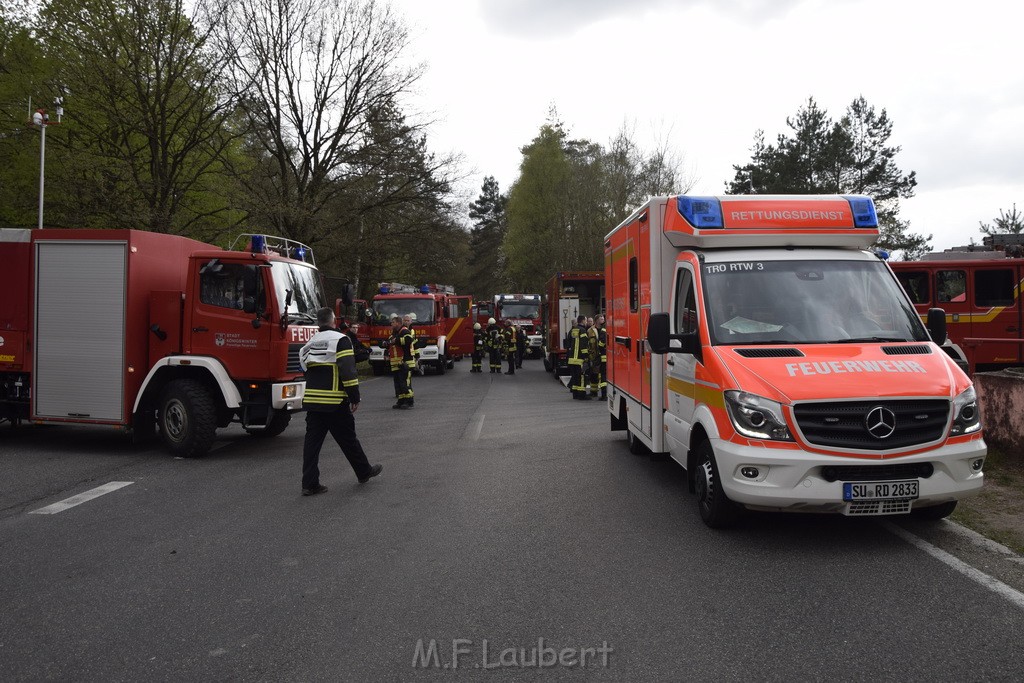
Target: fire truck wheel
547,364
717,511
188,418
440,367
278,423
940,511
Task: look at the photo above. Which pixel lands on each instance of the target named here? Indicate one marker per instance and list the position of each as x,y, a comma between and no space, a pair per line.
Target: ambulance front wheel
187,418
636,446
717,511
940,511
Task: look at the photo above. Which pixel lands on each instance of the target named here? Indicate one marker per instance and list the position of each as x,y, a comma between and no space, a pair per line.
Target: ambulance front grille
845,424
293,358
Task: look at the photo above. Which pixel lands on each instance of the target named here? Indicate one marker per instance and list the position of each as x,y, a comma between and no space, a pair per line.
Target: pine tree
1008,222
486,260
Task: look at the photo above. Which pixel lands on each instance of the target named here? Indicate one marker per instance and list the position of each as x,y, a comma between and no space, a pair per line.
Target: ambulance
756,341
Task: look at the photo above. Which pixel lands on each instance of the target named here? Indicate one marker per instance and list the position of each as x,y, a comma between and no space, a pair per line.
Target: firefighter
402,362
408,319
592,357
600,360
331,399
521,341
479,347
495,343
509,339
577,348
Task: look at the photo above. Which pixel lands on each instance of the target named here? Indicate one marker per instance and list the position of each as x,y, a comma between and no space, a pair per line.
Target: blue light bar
384,289
258,244
863,212
425,289
700,212
300,253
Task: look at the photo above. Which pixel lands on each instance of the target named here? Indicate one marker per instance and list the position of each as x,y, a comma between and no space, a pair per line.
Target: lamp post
42,119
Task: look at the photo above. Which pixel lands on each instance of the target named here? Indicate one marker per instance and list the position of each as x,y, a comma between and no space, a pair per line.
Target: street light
42,119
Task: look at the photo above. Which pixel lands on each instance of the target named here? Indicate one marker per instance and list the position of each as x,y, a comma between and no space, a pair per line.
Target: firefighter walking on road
599,359
509,336
479,347
495,344
576,343
402,362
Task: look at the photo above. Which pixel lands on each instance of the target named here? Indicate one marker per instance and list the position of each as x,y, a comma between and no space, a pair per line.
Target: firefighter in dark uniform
331,398
576,347
402,362
521,341
495,344
509,337
599,360
479,347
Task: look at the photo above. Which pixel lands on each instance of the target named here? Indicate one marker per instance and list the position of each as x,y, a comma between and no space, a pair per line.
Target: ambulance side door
680,368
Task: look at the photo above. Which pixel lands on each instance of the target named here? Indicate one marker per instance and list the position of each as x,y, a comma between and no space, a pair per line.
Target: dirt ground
998,511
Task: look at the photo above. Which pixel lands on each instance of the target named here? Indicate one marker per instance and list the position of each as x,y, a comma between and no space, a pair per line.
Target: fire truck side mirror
348,294
937,325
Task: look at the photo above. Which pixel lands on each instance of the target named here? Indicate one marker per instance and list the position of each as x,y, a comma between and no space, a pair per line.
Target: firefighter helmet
476,326
491,321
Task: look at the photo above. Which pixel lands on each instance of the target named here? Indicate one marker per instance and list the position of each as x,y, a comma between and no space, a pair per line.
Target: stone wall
1001,399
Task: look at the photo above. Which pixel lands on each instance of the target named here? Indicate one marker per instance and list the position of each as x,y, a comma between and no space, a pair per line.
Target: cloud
547,18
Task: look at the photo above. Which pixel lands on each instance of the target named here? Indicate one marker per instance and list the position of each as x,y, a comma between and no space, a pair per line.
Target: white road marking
476,428
80,498
993,584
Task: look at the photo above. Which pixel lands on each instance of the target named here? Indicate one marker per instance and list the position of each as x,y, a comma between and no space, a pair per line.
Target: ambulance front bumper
287,395
793,480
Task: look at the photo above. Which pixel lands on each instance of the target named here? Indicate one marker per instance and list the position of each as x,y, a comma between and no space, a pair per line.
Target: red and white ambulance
754,340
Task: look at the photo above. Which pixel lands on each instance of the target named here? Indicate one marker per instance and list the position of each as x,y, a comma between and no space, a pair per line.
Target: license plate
880,490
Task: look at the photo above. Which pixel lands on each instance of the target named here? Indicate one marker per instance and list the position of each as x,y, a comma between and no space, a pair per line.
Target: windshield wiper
867,340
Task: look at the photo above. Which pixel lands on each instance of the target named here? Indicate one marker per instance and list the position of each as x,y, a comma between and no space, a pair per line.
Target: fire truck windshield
520,310
304,284
422,309
815,301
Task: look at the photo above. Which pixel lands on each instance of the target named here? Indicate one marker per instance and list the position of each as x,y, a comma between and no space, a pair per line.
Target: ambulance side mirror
659,337
937,325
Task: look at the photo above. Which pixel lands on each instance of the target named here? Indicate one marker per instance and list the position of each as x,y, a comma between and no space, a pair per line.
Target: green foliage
486,260
1008,222
849,156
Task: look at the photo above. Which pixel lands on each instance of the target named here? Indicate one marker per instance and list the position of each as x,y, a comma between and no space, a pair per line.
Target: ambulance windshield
304,284
794,302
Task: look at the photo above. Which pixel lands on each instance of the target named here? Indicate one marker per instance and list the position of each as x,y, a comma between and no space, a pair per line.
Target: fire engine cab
522,310
757,342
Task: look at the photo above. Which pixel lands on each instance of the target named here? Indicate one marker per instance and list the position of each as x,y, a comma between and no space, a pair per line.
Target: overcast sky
707,74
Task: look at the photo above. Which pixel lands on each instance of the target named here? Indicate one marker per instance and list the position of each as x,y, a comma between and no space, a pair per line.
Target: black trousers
342,426
576,381
511,358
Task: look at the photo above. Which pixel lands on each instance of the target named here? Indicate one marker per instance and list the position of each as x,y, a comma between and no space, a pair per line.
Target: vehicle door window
993,287
227,285
686,303
951,286
916,284
634,285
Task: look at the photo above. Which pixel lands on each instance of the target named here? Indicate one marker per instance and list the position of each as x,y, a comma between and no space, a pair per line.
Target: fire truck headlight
756,417
289,391
966,416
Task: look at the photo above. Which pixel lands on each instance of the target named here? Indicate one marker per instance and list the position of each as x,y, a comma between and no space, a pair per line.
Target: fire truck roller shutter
80,329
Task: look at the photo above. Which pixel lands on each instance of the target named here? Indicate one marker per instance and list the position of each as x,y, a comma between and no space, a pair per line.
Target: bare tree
310,74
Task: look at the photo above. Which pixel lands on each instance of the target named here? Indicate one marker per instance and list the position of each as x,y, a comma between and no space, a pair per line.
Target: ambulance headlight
966,417
756,417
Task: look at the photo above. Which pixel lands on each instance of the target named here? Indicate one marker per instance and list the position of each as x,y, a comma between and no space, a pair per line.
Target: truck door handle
200,329
1011,328
670,361
625,341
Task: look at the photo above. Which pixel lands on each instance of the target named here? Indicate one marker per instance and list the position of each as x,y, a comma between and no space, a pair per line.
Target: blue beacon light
700,212
258,244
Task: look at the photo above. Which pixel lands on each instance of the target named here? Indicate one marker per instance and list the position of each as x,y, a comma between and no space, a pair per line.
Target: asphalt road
510,527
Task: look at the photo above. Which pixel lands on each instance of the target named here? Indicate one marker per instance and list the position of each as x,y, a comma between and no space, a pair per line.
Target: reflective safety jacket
479,341
415,350
577,346
400,349
509,335
602,344
495,340
330,366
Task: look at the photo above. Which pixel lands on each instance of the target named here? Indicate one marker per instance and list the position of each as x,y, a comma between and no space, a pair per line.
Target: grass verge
998,511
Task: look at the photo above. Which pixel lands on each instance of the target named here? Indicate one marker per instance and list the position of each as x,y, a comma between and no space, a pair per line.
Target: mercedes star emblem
881,422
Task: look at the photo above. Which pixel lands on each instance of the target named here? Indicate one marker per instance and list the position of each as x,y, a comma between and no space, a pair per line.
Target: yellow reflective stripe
344,352
320,365
350,383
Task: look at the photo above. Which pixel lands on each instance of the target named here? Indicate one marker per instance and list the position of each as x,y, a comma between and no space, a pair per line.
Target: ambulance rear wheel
717,511
636,446
188,418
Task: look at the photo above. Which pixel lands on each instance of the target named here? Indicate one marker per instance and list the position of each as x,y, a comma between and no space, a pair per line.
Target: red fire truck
522,310
141,330
566,296
441,320
980,292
